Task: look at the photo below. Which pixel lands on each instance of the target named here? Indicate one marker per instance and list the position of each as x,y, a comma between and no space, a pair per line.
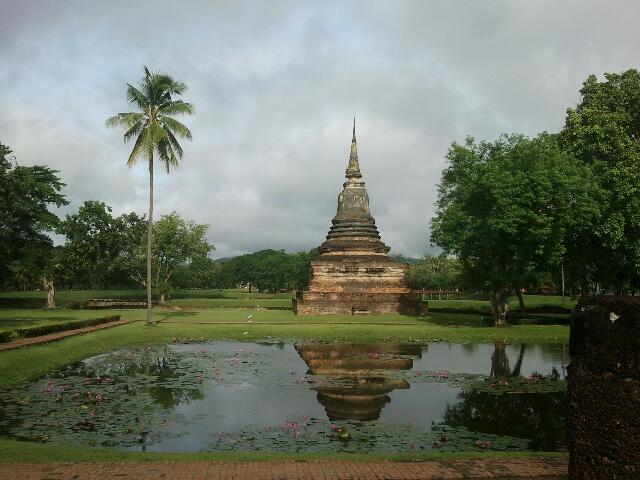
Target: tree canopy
99,247
603,132
508,209
434,272
27,195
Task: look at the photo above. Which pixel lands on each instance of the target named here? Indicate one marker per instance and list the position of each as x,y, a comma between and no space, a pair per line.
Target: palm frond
134,130
176,127
174,142
167,155
140,147
126,120
177,88
156,133
136,97
175,107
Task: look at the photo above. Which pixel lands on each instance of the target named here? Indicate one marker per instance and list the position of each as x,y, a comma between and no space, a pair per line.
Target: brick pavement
23,342
532,468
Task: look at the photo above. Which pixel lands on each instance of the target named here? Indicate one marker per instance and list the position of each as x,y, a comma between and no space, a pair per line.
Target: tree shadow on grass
172,316
28,302
455,319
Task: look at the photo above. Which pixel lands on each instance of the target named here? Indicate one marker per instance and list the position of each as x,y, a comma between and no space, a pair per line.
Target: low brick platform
534,468
24,342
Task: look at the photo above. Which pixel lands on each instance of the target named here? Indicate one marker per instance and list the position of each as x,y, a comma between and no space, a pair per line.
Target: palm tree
154,130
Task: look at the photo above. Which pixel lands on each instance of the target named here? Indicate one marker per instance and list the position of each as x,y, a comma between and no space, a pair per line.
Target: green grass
66,297
14,451
247,302
482,306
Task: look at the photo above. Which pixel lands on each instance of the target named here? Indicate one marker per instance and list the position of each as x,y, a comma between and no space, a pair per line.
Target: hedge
54,328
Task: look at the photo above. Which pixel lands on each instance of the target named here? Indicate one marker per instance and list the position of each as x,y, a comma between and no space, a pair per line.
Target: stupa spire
353,170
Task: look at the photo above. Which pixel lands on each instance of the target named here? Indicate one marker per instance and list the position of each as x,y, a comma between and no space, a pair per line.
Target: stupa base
336,303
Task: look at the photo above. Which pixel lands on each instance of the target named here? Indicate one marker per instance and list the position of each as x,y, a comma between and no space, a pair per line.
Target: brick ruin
354,273
603,393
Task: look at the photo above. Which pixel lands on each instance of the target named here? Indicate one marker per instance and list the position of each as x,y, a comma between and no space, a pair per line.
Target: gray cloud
275,85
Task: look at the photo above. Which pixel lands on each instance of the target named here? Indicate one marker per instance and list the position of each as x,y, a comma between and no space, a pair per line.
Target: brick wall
604,389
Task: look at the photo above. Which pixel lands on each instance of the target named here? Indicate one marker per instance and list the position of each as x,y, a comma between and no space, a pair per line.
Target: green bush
6,336
9,335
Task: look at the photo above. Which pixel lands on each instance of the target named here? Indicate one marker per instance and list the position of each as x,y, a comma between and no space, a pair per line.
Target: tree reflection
535,416
160,368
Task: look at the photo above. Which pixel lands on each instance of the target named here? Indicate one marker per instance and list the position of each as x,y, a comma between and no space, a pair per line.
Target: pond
304,397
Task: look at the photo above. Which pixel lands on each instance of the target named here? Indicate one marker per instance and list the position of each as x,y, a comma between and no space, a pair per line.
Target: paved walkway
534,468
23,342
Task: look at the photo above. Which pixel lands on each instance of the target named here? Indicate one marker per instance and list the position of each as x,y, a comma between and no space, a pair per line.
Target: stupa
354,273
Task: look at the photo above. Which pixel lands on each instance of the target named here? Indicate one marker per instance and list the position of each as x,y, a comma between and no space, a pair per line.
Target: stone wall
604,389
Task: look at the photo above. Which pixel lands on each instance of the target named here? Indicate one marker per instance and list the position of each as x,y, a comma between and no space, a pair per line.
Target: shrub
54,328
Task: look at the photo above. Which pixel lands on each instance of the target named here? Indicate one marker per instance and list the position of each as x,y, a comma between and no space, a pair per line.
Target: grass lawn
248,302
482,306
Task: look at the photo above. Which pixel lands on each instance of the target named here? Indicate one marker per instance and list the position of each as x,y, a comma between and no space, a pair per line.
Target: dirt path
533,468
23,342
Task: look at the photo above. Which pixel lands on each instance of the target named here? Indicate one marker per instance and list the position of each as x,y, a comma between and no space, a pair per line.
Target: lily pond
303,397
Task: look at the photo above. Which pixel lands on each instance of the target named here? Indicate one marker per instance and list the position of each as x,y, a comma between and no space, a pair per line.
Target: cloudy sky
276,85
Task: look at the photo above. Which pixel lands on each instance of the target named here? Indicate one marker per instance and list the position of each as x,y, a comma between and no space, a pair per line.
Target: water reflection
539,417
229,395
357,378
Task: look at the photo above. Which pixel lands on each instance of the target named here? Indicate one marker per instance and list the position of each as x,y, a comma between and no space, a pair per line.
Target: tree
99,246
434,272
508,210
154,129
603,132
177,244
26,196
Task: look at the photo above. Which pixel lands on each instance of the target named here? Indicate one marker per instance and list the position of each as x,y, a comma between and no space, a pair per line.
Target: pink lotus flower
442,374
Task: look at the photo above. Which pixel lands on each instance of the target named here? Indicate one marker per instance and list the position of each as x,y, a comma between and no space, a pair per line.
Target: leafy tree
99,246
301,264
201,272
177,244
26,196
434,272
508,209
154,129
603,131
268,270
274,270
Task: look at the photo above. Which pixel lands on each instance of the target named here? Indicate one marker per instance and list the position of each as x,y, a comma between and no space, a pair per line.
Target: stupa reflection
356,379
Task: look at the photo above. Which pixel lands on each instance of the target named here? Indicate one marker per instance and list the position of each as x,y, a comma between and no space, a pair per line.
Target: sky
276,85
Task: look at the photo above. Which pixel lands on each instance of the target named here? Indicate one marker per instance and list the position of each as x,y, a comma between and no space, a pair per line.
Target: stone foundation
352,285
604,389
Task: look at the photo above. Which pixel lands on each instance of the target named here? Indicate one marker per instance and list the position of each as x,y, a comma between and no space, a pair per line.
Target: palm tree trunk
150,242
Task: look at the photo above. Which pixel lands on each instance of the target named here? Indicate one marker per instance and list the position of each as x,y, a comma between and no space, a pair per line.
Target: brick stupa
354,273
